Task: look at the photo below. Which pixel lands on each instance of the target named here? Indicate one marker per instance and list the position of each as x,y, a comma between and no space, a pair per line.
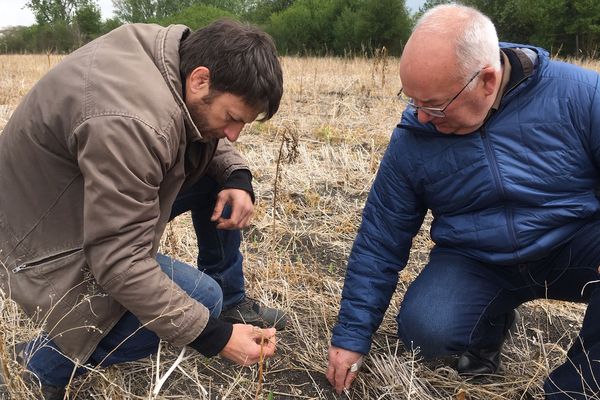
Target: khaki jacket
90,164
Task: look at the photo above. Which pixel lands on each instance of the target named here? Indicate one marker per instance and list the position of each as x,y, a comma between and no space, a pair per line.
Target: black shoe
248,311
41,391
486,361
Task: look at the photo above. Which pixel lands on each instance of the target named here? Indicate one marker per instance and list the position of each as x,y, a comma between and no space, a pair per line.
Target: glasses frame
438,112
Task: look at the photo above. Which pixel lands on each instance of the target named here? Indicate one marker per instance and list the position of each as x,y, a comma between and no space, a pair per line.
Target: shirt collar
506,69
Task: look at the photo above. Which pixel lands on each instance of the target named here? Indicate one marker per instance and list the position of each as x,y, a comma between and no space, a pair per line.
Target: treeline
310,27
564,27
314,27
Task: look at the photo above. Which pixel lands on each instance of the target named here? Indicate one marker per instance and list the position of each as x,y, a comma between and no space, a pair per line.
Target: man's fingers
239,219
350,377
265,340
340,379
342,368
235,216
225,223
269,349
218,210
266,334
330,374
247,218
233,222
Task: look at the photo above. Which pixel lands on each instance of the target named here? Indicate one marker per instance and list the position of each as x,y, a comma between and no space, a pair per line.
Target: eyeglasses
433,111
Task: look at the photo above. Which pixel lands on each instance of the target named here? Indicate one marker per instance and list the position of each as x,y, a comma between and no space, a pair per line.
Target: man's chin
449,130
212,135
441,128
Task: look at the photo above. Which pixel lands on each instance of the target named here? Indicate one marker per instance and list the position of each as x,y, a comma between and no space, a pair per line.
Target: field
313,165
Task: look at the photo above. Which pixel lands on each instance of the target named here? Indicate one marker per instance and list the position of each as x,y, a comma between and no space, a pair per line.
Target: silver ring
356,366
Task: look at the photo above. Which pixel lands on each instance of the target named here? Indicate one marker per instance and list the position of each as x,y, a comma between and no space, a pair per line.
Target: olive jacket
90,164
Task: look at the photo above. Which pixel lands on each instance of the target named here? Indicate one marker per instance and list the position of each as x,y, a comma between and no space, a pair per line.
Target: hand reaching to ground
249,343
340,371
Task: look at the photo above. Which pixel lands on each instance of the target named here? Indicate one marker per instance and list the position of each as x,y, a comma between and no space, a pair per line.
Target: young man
123,135
502,144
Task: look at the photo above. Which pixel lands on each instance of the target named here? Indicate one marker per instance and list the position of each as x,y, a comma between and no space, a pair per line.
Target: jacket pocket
54,259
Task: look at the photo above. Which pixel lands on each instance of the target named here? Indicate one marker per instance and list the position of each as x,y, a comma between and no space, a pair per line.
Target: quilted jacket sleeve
391,218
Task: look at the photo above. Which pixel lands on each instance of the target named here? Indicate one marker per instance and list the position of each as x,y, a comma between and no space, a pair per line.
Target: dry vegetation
324,147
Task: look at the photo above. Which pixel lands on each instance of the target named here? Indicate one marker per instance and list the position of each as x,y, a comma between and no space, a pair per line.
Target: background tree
346,30
62,25
87,19
156,10
235,7
318,27
196,16
305,27
259,11
341,26
585,27
136,10
384,23
52,11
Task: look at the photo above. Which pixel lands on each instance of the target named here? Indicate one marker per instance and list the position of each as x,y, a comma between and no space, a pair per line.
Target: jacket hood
540,57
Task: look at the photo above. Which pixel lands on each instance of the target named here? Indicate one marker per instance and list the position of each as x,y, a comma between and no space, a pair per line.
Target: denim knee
194,282
203,289
213,298
431,333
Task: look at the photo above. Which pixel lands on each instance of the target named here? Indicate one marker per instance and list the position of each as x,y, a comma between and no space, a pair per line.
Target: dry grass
334,124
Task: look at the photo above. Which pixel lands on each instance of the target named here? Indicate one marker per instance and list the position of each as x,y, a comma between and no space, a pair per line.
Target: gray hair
476,40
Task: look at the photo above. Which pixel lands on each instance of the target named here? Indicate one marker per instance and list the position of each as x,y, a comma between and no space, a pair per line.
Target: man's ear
199,80
489,79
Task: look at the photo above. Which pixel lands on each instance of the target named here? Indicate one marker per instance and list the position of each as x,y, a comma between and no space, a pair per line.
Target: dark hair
242,60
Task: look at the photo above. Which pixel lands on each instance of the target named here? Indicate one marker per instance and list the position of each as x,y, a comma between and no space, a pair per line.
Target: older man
503,146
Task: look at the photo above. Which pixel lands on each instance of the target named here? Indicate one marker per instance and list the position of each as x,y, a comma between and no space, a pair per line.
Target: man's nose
232,131
423,117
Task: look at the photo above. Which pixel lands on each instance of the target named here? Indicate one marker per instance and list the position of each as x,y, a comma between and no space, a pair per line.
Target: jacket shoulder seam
159,132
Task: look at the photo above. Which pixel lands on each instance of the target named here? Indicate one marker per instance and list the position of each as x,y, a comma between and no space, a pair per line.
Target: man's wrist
213,338
240,179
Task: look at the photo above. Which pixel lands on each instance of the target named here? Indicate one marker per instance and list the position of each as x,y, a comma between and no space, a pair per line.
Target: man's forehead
427,76
428,51
426,84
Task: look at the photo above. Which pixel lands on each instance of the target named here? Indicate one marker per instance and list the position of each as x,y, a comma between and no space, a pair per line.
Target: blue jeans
456,303
217,283
218,250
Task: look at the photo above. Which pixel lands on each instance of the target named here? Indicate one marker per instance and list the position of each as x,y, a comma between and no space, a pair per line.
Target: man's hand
242,209
248,342
338,370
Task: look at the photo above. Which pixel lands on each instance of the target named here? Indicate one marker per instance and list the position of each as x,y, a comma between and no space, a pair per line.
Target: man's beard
197,111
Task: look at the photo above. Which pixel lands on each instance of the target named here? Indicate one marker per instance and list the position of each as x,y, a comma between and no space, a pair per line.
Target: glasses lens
409,102
433,113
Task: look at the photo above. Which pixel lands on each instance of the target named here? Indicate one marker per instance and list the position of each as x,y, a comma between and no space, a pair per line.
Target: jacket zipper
498,183
24,266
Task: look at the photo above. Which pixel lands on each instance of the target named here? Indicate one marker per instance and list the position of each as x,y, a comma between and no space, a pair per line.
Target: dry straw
336,116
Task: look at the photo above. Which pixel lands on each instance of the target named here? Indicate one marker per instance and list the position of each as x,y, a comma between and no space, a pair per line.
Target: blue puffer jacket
508,193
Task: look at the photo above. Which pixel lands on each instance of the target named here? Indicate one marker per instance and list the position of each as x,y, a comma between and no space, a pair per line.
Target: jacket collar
168,61
523,62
